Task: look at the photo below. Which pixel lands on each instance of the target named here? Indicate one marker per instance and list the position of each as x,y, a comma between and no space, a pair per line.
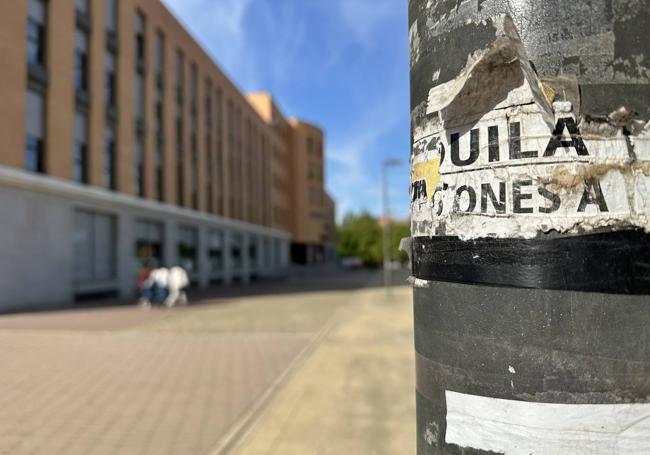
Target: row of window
314,159
314,147
315,170
36,61
159,128
37,86
80,152
216,164
96,244
316,195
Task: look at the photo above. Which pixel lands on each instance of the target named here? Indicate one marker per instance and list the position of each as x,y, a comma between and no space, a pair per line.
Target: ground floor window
268,253
95,246
187,249
252,252
277,253
149,244
236,251
215,251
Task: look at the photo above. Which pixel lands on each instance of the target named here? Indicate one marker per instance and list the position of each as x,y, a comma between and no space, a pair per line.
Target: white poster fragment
505,156
524,428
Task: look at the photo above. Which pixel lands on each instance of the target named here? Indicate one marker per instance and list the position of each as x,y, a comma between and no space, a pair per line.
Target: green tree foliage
361,236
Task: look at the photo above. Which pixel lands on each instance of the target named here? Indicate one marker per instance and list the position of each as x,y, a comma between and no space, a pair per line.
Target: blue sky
342,64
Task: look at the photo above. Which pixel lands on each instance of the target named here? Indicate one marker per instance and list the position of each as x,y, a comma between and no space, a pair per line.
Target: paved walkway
355,393
130,393
124,381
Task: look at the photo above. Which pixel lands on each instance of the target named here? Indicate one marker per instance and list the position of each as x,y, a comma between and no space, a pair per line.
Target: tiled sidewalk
131,393
123,381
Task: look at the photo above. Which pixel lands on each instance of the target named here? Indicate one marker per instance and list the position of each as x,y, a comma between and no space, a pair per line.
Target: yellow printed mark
428,171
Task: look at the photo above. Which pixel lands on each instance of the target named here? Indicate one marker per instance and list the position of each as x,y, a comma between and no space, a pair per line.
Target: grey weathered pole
530,211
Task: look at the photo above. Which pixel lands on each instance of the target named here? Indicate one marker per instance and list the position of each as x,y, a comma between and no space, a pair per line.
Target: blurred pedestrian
145,290
177,282
154,289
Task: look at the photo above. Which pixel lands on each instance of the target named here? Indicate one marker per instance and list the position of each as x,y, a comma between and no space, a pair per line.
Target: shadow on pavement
299,280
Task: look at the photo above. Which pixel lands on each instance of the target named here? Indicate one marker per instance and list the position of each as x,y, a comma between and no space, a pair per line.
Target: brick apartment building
124,144
311,218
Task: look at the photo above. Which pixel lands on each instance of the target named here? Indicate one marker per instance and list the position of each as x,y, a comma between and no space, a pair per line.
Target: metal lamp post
386,228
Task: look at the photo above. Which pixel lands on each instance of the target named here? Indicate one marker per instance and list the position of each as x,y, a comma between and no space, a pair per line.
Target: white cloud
284,33
364,18
258,60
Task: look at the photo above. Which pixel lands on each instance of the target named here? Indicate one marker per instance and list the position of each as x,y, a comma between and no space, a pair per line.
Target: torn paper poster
522,428
506,155
503,65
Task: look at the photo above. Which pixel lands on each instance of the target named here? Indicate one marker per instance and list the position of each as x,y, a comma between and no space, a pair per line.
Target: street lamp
386,209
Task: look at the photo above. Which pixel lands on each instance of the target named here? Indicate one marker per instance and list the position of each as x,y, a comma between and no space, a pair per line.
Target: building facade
311,217
125,145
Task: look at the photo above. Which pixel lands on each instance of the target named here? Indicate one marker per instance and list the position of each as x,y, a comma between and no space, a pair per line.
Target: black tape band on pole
614,263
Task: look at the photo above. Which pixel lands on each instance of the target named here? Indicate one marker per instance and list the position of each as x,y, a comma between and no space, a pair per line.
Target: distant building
311,211
124,144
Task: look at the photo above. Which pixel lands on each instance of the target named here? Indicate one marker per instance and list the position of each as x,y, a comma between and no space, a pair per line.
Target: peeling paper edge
507,37
418,282
406,246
